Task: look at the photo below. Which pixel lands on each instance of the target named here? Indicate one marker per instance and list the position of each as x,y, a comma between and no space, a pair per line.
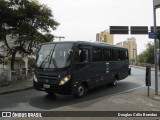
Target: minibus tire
81,91
114,82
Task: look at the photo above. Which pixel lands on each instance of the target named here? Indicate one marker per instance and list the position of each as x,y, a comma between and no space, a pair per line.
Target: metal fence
7,77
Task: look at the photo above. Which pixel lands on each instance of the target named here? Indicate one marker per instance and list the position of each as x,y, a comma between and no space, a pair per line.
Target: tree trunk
13,60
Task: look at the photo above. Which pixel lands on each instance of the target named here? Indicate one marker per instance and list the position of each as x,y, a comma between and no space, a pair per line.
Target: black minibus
73,67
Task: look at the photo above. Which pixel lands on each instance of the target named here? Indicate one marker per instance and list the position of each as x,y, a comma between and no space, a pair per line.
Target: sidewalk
134,100
17,86
140,67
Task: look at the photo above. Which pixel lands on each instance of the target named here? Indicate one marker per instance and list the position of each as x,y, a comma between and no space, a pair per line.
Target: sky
83,19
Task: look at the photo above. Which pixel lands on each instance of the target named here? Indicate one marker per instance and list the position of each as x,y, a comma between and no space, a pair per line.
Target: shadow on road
48,102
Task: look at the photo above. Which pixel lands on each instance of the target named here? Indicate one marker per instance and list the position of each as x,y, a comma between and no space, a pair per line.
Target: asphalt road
32,100
142,72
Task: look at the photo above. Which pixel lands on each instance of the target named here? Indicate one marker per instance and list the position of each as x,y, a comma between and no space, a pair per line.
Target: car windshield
54,55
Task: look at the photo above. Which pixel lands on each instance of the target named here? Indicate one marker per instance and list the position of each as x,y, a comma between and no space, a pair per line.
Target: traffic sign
139,29
158,35
119,30
153,35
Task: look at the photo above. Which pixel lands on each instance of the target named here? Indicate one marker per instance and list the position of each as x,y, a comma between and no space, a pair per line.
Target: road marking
102,97
127,90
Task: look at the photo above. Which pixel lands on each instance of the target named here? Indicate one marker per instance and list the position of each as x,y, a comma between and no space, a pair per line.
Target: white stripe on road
102,97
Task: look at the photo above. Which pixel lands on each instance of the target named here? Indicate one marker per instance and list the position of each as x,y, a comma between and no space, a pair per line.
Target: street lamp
59,37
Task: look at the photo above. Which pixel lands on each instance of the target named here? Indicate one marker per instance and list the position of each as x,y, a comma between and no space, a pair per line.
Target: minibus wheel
114,83
81,91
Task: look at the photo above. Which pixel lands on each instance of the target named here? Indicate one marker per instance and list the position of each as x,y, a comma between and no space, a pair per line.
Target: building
105,37
120,44
130,43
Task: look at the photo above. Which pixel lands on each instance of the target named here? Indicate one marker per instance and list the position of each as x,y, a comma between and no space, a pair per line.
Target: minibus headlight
64,80
35,78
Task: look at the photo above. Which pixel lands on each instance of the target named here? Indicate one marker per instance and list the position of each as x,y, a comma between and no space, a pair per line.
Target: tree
28,24
1,59
147,56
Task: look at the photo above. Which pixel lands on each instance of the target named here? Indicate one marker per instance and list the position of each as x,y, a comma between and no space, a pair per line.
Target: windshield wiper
69,58
54,62
44,61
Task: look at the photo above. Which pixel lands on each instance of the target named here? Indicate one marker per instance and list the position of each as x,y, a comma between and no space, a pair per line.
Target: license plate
46,86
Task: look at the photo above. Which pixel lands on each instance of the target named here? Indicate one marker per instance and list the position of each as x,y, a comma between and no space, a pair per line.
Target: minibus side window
124,55
97,54
107,54
82,55
115,55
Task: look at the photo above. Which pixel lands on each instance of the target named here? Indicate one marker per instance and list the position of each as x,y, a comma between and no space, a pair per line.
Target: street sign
156,3
152,35
158,35
119,30
139,29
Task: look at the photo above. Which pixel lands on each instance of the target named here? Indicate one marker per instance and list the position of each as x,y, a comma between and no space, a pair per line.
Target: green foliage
28,22
147,56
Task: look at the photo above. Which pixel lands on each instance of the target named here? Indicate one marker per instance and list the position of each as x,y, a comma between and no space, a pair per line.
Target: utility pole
135,53
156,4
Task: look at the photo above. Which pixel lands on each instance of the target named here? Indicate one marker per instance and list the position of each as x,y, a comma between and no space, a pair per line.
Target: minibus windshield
54,55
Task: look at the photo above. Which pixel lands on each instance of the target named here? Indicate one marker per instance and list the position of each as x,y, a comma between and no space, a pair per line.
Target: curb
142,68
17,90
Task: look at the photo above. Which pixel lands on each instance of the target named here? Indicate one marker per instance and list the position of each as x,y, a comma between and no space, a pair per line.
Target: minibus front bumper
55,88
